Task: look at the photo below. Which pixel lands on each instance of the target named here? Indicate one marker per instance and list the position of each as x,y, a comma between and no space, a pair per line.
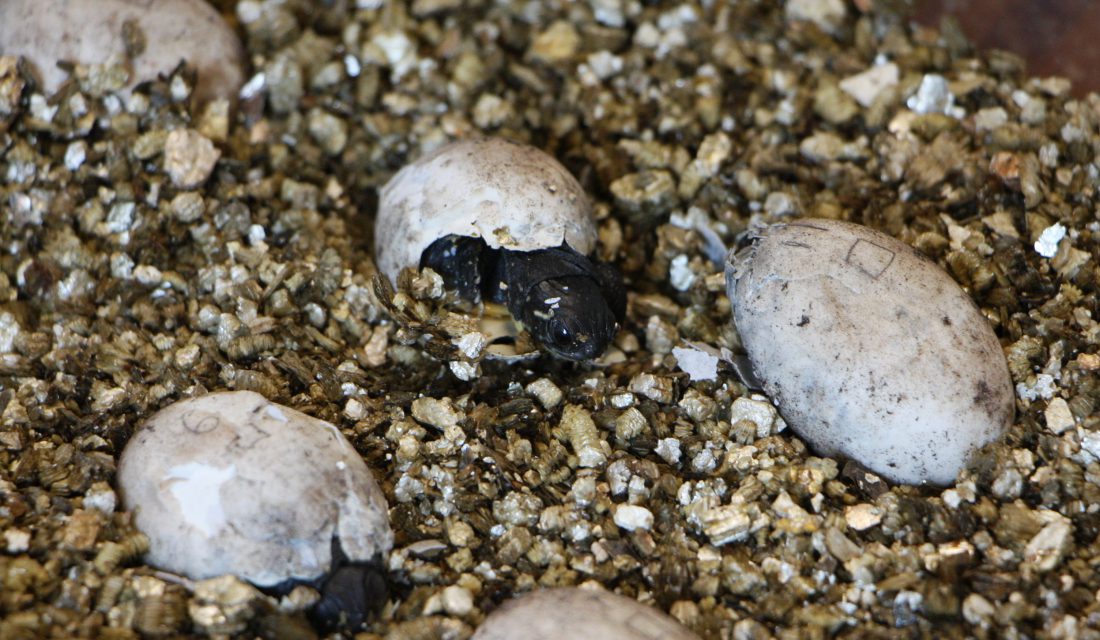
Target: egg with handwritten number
230,483
869,349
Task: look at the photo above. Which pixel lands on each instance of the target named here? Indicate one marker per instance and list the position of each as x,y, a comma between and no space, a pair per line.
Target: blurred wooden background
1056,37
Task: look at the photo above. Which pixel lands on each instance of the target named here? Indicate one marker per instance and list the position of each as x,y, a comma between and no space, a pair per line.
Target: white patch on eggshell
512,195
196,487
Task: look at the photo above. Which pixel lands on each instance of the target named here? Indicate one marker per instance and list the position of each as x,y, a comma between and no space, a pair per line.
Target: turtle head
570,317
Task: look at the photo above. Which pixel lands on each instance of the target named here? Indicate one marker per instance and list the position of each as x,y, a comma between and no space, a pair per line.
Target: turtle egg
572,612
229,483
161,34
511,195
869,349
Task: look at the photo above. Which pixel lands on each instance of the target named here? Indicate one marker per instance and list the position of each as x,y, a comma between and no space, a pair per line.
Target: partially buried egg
571,612
506,222
230,483
154,35
869,349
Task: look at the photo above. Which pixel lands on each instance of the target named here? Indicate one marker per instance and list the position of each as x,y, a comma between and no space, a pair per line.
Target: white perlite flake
436,412
1047,244
189,158
1045,550
865,87
933,96
669,450
631,517
9,329
758,411
680,274
219,485
1058,416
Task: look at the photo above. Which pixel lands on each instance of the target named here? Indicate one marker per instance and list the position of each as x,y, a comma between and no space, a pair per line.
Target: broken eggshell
230,483
572,612
869,349
46,32
511,195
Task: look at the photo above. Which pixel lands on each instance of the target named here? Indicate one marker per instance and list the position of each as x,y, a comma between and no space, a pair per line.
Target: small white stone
631,517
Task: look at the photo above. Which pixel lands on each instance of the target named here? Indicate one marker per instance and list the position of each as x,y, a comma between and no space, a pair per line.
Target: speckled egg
230,483
511,195
869,349
571,612
46,32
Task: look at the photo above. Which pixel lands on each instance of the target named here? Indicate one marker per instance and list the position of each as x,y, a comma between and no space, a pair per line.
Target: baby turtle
505,222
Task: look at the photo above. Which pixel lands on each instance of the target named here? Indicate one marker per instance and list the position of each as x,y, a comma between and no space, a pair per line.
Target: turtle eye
560,334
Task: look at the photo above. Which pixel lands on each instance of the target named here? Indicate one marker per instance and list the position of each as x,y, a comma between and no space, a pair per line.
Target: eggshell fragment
229,483
91,32
512,195
869,349
557,614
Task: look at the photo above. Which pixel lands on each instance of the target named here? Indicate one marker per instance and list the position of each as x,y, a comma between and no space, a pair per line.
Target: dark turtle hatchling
505,222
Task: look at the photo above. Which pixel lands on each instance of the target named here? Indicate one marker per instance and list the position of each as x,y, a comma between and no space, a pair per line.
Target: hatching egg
506,222
869,349
157,35
230,483
572,612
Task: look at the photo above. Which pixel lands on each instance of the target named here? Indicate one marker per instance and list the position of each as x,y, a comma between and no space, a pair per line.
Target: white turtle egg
571,612
511,195
869,349
230,483
46,32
